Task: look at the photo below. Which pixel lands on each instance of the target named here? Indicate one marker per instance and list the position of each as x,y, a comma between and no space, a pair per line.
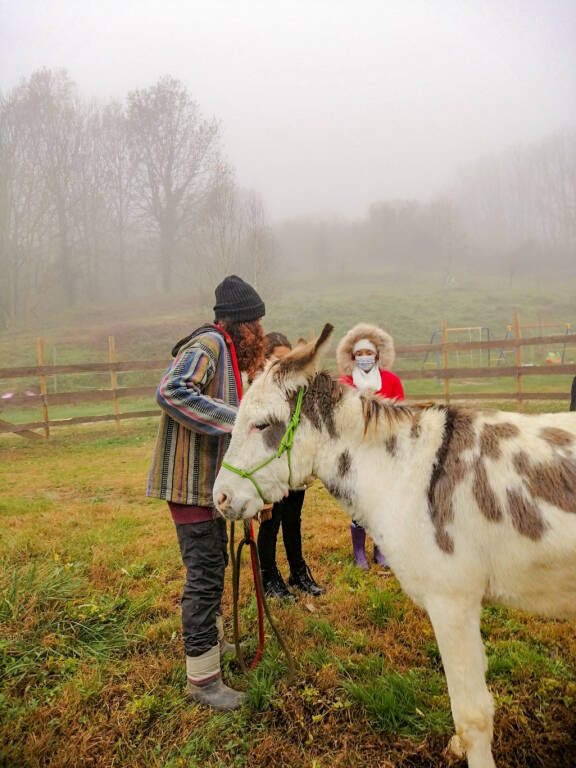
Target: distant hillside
410,309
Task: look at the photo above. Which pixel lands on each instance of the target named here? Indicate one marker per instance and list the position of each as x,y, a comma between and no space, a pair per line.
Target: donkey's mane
320,399
375,409
324,392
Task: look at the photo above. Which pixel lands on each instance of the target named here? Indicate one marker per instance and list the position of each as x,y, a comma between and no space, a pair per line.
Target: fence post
113,377
445,360
518,357
43,388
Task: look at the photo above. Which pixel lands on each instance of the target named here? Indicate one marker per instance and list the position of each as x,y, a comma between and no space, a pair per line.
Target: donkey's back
502,498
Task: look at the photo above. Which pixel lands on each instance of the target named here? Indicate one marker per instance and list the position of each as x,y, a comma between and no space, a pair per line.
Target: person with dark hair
199,396
573,395
288,513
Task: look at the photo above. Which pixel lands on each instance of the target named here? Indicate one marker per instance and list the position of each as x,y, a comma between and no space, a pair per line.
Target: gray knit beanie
238,301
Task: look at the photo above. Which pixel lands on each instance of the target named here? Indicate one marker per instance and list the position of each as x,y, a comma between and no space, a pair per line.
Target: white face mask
365,362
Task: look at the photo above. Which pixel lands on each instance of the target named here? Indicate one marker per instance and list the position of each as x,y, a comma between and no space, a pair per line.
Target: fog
325,106
145,143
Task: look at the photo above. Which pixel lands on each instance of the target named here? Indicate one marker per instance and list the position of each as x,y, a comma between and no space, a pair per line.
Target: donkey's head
272,448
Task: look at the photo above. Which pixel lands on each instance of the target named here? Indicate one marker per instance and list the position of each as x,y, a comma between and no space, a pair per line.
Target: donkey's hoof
456,748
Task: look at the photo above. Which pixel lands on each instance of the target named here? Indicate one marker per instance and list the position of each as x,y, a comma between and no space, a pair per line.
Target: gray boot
205,682
216,695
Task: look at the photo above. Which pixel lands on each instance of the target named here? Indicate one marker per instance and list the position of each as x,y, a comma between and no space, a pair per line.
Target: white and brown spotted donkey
469,507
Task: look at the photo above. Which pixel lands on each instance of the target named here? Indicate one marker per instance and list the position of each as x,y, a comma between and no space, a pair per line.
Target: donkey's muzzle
235,506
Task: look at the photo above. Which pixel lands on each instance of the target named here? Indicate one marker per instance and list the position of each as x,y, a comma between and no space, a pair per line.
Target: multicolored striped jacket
199,396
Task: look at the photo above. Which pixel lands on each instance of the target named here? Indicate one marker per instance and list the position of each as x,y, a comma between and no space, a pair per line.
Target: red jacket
391,385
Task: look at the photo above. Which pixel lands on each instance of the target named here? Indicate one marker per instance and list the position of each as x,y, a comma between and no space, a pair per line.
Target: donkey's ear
304,359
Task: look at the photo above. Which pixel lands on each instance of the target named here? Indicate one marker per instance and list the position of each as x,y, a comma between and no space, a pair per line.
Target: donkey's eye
261,426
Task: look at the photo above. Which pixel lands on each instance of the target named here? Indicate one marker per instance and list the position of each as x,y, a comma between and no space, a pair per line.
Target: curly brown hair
248,340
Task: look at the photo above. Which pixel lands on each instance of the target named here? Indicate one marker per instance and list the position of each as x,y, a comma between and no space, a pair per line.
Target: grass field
91,662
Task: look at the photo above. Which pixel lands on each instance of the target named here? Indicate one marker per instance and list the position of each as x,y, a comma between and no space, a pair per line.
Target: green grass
321,630
519,660
408,704
34,414
382,606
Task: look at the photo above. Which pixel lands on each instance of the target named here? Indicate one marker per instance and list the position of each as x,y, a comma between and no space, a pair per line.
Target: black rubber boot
304,581
275,586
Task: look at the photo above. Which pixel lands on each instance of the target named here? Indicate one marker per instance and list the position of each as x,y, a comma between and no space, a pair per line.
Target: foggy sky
326,105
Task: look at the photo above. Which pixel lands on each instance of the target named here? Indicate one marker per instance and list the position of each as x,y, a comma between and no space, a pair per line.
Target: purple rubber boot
379,558
358,543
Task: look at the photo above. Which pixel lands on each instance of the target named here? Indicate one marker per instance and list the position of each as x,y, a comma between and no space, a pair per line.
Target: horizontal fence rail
489,373
51,370
72,398
468,346
442,373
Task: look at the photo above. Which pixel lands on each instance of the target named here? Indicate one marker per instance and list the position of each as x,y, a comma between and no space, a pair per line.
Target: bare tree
258,239
25,213
218,229
51,109
118,181
520,206
90,219
177,154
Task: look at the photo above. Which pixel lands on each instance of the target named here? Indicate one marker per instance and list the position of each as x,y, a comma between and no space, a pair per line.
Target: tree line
513,212
116,200
136,197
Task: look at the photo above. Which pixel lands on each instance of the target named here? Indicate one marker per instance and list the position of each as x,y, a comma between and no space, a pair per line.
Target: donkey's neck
377,432
345,430
376,445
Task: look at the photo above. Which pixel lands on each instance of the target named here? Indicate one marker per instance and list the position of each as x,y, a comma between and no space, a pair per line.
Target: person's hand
266,514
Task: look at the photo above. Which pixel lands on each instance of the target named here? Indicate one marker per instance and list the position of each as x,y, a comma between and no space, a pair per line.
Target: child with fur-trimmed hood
364,356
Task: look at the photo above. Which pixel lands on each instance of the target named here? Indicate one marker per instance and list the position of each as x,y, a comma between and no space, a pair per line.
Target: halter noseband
285,446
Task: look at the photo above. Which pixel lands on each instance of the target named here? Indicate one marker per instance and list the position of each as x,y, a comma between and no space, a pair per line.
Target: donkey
467,506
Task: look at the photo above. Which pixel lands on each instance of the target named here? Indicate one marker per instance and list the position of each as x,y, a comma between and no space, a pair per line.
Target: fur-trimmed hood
383,342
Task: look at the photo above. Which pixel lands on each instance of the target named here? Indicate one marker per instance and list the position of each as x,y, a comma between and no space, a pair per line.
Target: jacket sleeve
398,389
181,394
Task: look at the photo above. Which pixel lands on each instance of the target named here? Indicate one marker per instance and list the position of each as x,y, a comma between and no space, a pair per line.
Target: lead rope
235,558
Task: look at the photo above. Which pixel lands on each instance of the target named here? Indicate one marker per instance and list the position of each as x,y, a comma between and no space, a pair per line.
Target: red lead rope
259,603
260,650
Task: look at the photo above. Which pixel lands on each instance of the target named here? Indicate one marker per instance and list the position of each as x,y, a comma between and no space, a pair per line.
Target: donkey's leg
457,627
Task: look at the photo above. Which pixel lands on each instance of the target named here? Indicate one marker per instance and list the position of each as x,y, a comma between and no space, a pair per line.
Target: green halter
285,446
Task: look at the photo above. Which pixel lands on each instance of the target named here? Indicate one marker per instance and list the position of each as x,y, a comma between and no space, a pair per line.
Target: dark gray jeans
203,547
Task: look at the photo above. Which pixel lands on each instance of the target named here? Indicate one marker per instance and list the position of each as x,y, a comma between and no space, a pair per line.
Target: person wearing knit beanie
237,301
199,396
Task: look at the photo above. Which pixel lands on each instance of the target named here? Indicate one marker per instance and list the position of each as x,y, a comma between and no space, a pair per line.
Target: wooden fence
443,374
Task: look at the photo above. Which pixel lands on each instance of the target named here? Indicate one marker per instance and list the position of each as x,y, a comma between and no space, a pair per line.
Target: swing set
474,333
478,333
568,331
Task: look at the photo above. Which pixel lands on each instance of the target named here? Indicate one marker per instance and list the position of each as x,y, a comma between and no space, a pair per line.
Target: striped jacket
199,396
